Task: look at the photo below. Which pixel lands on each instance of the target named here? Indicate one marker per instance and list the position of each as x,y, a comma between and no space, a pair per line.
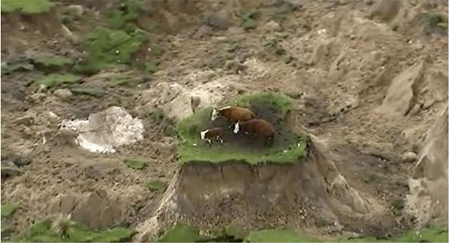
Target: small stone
272,26
414,110
69,35
76,10
409,157
428,103
24,120
63,93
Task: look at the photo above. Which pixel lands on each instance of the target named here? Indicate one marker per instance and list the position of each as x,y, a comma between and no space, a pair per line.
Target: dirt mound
303,195
428,200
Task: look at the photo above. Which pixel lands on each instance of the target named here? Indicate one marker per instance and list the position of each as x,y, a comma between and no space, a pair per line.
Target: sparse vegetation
156,185
248,19
134,164
127,14
8,209
53,62
55,80
26,6
15,67
192,148
109,47
278,236
158,118
42,232
123,80
281,11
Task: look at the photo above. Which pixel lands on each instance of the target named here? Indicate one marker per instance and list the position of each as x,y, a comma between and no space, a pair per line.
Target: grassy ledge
192,148
26,6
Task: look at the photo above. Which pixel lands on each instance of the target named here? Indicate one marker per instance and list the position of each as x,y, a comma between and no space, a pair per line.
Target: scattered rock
20,161
428,103
399,97
218,20
272,26
409,157
69,35
36,97
63,93
387,9
76,10
25,120
414,110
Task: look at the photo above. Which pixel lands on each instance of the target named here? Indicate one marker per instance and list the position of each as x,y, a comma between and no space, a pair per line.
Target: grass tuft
134,164
8,210
181,234
55,80
156,185
26,6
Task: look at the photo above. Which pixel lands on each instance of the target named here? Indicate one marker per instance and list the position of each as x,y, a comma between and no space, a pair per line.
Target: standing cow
259,127
234,114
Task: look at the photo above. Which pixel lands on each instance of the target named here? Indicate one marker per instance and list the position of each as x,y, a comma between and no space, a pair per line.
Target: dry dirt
374,80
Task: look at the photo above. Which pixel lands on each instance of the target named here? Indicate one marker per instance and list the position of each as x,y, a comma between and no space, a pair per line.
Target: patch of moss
52,61
134,164
55,80
181,234
192,148
156,185
91,91
42,232
109,47
279,236
8,209
26,6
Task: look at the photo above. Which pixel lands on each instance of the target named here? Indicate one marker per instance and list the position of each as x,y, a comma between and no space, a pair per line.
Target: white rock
63,93
409,157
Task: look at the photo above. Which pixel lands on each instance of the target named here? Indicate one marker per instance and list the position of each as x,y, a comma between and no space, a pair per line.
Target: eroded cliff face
233,193
428,199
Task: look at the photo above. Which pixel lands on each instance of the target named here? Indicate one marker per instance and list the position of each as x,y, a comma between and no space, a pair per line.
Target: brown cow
234,114
213,133
258,127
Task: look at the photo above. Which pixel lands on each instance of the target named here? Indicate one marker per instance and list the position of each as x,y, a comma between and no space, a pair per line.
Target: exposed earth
368,81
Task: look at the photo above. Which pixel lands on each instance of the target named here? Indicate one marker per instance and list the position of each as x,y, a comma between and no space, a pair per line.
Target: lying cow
211,134
257,127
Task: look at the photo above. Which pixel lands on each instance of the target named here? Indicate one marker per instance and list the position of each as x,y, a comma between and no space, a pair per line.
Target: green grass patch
26,6
278,236
118,19
109,47
15,67
8,209
91,91
123,80
151,67
278,101
156,185
433,234
192,148
52,61
55,80
181,234
42,232
134,164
